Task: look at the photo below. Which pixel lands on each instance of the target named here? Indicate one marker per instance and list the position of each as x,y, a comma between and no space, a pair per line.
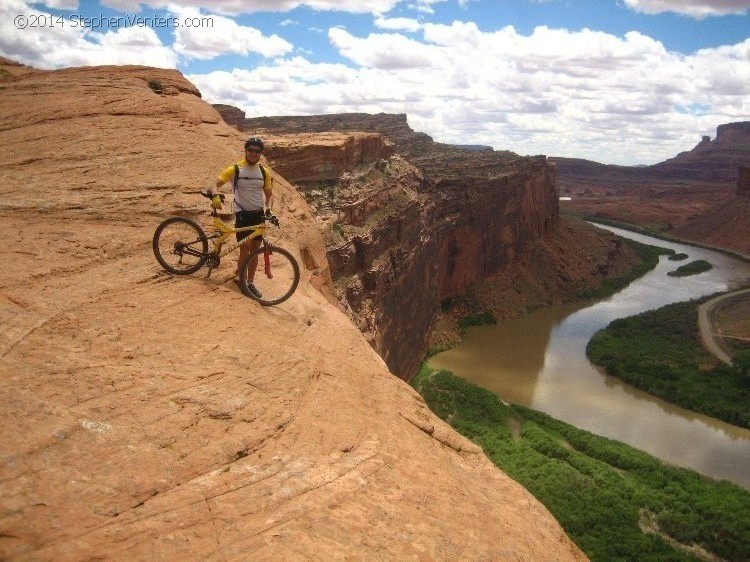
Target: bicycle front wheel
180,245
269,277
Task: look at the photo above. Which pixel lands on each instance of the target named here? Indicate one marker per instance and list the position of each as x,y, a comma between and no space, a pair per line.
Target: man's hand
270,217
216,201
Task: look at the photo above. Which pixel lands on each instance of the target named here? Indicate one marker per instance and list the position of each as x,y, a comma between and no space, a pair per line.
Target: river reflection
540,361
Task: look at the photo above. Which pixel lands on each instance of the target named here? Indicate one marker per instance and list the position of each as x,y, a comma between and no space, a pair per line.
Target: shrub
692,268
741,362
481,319
156,86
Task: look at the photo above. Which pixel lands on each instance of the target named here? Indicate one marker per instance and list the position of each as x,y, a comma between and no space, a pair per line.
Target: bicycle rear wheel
180,245
274,275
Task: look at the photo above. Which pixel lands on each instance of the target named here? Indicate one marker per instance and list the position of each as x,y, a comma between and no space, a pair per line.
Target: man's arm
225,175
268,194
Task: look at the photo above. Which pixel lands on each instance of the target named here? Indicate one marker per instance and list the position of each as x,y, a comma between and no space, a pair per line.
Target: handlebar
207,194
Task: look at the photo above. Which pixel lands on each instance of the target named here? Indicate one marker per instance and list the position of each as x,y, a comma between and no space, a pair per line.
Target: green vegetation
660,351
464,322
678,257
156,86
649,259
741,362
692,268
615,502
481,319
655,231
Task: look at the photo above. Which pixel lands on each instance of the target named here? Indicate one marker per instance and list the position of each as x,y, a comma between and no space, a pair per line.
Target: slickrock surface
151,417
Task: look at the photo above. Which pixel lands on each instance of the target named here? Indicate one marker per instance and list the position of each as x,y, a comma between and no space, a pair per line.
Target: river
540,361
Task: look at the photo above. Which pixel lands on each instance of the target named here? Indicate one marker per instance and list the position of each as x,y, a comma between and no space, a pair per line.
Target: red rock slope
146,417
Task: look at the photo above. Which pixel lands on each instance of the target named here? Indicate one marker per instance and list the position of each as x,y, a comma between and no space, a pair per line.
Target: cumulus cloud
590,94
694,8
382,51
212,36
61,4
59,44
404,24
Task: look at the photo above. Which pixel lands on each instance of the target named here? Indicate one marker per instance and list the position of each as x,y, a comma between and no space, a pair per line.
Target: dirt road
708,328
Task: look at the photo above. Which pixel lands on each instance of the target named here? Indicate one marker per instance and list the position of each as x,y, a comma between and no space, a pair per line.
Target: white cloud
694,8
589,94
61,4
425,6
219,35
384,51
404,24
71,44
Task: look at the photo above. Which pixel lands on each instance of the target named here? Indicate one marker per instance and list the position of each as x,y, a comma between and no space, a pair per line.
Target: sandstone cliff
726,225
411,222
151,417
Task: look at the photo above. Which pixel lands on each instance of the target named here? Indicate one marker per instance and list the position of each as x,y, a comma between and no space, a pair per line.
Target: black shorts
247,218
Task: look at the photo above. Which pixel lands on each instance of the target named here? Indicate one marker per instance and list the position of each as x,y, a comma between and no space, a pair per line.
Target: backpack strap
263,172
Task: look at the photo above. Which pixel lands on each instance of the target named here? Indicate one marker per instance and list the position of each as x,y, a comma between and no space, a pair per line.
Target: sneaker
254,290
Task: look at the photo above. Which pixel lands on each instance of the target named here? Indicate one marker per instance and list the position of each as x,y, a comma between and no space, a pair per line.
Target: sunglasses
254,150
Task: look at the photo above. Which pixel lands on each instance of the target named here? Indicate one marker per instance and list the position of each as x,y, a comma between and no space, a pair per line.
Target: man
252,193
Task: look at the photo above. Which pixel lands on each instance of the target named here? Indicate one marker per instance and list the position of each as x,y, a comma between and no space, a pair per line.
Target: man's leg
245,250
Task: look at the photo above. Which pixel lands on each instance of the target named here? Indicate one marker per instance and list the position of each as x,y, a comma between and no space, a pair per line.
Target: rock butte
701,195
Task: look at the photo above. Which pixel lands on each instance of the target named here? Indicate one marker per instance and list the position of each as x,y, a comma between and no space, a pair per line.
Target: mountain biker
252,193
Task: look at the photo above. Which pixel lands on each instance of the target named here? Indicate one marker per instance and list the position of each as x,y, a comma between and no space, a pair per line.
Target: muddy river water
540,361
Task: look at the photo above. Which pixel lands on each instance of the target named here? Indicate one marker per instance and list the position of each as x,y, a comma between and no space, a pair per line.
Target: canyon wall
410,222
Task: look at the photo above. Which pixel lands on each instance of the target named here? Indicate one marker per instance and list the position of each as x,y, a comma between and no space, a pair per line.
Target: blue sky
621,81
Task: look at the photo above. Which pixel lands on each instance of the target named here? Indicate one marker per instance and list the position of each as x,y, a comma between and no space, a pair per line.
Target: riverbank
615,502
661,351
655,234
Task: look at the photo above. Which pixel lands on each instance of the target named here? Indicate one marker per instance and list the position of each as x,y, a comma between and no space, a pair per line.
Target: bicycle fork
267,260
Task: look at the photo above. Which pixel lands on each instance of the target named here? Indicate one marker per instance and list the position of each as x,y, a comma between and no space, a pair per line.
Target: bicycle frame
256,231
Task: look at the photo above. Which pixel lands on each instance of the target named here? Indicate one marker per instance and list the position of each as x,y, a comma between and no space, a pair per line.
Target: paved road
707,328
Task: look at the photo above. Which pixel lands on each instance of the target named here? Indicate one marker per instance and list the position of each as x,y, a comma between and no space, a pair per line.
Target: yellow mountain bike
181,247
